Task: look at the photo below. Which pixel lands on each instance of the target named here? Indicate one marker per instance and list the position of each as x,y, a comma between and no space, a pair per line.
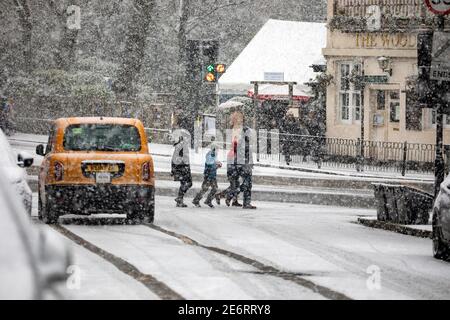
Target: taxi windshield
102,137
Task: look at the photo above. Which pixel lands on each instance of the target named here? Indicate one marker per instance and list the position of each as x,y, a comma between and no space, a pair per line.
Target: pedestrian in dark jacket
243,159
232,192
209,179
181,169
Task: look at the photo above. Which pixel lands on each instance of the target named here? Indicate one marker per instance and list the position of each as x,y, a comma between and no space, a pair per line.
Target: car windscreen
102,137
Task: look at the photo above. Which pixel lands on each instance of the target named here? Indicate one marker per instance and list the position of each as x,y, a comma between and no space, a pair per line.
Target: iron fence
353,154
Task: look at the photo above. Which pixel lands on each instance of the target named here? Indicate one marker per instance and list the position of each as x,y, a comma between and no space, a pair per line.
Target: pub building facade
377,39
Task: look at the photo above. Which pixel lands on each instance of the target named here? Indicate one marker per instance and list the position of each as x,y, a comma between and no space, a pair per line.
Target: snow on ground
98,278
321,243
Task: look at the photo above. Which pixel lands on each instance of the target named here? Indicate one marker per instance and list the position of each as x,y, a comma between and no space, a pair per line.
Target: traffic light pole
439,165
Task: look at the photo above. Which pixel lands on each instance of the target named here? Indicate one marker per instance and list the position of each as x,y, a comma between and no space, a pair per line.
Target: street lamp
385,64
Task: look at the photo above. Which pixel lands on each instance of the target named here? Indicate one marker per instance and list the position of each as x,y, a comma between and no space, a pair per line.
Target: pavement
421,231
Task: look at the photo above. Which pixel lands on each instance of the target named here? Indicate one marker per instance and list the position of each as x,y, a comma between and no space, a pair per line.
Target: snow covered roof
280,48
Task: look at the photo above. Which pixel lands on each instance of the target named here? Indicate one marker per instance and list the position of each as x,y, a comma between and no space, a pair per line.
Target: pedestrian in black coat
181,169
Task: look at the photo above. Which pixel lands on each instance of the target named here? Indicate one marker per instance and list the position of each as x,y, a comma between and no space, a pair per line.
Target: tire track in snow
413,284
265,269
159,288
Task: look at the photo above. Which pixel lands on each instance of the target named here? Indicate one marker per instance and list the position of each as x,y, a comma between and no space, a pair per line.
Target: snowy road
280,251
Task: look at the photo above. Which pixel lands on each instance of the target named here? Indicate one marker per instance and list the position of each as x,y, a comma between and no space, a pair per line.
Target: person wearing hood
181,169
209,179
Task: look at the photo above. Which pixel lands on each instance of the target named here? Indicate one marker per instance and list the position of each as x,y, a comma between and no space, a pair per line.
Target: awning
235,102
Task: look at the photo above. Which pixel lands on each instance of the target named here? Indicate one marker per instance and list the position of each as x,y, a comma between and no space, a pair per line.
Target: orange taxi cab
96,165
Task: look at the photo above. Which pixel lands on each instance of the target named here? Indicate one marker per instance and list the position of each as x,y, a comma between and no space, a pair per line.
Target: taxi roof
94,120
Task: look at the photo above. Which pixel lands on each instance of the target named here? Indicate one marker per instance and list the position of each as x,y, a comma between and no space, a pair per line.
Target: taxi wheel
150,216
46,215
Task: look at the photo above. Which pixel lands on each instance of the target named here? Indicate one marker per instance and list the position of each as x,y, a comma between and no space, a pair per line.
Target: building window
357,104
431,113
394,104
345,99
350,99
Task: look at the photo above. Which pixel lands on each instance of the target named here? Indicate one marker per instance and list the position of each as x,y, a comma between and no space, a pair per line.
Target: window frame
353,110
394,101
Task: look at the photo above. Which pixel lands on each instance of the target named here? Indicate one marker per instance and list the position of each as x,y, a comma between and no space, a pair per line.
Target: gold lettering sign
386,40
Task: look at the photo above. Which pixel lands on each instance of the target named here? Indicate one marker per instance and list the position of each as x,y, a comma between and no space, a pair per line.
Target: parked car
14,164
33,263
441,222
96,165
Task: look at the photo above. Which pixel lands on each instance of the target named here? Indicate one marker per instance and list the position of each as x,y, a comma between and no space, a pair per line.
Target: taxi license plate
103,177
114,168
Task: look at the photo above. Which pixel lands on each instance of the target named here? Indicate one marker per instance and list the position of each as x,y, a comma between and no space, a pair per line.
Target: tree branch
54,7
195,19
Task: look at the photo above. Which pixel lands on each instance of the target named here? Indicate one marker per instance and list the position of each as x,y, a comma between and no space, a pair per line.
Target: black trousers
245,172
185,185
205,187
232,192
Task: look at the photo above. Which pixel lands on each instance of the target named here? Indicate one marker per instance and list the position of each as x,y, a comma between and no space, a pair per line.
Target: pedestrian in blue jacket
209,179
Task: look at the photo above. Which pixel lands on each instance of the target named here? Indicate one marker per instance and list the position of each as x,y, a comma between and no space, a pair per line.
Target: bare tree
192,14
24,12
133,55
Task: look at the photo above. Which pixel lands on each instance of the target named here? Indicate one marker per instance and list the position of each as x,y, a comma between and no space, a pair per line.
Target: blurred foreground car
441,222
13,165
33,263
96,165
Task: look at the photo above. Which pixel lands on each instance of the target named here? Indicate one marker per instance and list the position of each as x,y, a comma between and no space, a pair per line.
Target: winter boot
180,203
209,204
217,196
236,204
196,203
249,206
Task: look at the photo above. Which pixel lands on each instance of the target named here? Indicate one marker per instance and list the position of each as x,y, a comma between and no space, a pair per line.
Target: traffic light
213,72
220,68
210,74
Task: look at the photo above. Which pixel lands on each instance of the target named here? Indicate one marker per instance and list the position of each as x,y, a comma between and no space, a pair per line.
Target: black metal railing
353,154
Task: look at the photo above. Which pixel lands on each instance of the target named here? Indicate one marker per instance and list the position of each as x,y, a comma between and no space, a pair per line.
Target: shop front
373,68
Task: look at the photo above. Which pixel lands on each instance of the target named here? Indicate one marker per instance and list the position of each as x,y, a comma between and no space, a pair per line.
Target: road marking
265,269
159,288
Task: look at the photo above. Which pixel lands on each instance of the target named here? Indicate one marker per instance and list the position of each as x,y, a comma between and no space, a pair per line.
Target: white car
441,222
14,164
33,262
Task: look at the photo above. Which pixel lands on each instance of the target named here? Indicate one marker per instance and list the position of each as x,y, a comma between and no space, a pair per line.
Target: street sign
375,79
440,65
441,7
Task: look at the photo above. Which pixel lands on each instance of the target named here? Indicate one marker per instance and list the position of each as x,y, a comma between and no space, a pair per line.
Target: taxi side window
50,142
